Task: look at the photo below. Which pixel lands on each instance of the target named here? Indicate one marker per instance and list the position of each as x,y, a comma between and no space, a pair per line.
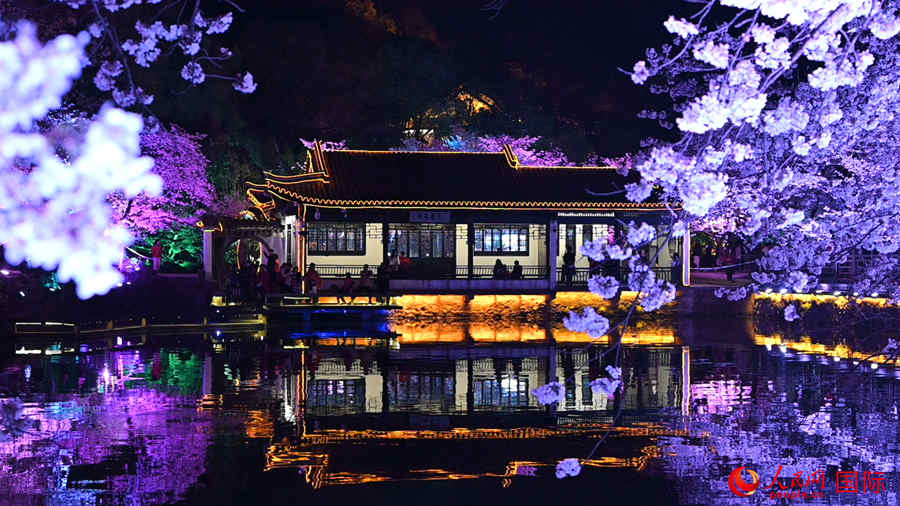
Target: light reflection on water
160,422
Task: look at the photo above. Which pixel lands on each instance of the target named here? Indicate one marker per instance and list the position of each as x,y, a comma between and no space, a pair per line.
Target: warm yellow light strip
407,152
263,207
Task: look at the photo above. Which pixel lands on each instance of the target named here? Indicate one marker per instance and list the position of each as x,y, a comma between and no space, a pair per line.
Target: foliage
180,163
530,150
181,246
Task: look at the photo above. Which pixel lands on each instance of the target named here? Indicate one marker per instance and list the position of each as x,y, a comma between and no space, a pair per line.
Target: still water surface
442,414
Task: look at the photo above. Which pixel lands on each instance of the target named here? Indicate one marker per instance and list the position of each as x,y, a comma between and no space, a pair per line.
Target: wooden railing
579,278
581,275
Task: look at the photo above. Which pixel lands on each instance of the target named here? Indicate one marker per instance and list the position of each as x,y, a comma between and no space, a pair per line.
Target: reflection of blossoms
568,467
13,423
790,313
608,386
550,393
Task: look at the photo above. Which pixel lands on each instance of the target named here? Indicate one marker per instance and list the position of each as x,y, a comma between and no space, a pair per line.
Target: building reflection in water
414,402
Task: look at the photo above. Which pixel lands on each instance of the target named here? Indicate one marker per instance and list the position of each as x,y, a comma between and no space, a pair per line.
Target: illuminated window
501,240
337,238
510,391
422,241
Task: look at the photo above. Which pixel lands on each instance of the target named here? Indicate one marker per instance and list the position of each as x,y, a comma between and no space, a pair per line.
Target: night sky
357,70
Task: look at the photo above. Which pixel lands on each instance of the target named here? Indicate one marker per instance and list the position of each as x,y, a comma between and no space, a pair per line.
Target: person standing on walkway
676,270
313,282
568,267
272,270
156,254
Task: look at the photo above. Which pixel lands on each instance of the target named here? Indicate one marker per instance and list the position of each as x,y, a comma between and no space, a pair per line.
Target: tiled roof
353,178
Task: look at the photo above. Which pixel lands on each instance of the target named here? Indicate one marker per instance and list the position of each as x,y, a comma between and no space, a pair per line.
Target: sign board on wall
586,214
429,216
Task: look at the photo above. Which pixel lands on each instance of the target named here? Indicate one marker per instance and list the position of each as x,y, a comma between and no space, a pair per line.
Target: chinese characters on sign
429,216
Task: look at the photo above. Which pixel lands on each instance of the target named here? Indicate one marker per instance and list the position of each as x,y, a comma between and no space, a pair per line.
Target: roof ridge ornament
511,157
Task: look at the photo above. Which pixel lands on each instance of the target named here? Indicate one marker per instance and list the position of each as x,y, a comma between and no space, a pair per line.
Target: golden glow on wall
515,302
418,305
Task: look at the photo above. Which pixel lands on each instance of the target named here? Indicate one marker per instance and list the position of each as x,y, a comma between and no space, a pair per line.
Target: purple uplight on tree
180,163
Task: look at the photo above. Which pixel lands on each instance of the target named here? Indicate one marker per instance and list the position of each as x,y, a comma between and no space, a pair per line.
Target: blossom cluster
788,134
154,39
54,209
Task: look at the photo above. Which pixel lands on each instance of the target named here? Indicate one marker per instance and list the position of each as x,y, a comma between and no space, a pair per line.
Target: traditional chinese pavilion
444,217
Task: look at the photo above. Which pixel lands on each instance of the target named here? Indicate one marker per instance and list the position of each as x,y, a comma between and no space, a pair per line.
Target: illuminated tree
181,164
786,117
786,114
54,206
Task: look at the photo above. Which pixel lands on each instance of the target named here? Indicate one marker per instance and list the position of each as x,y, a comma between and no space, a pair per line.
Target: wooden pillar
687,260
470,250
385,241
301,242
552,251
